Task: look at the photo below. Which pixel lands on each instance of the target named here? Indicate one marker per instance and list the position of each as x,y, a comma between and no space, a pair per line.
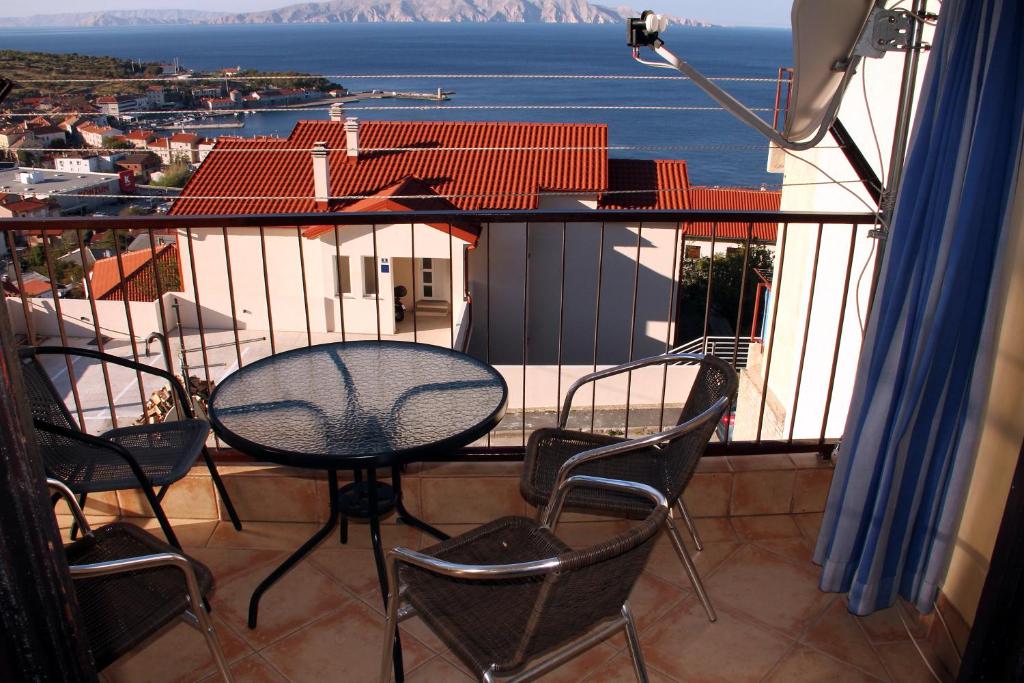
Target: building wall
806,188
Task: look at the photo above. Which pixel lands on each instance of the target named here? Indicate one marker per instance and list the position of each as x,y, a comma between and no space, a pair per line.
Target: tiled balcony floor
324,620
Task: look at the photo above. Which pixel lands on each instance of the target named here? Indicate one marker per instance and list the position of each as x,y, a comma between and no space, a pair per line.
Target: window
692,251
733,251
342,276
369,276
427,275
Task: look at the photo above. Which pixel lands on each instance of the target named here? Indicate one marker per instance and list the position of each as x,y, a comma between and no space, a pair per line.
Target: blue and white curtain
925,369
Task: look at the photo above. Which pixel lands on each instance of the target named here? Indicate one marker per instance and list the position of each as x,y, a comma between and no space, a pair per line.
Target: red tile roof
35,286
139,134
478,179
627,177
139,280
190,138
734,199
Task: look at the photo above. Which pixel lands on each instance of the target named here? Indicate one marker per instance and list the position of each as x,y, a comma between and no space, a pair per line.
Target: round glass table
357,406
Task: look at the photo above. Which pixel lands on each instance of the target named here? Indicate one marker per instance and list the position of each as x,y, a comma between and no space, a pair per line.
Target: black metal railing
545,296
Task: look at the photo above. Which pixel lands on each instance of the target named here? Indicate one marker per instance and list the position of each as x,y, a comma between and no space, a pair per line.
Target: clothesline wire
595,148
414,107
453,76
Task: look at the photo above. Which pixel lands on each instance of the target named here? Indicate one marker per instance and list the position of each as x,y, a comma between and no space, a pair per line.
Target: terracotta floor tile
770,590
413,626
391,535
228,563
837,633
689,648
252,669
190,532
265,535
810,524
583,665
652,597
759,528
796,550
343,646
620,670
905,664
354,568
665,564
585,534
884,626
804,665
299,597
438,670
178,653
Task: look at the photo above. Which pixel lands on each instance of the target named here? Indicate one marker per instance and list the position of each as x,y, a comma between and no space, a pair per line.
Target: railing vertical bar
678,242
743,287
597,321
60,329
97,330
415,329
839,334
266,290
30,328
199,310
632,326
128,316
451,288
711,275
776,293
526,317
337,268
487,321
376,278
305,287
165,330
231,296
807,330
561,324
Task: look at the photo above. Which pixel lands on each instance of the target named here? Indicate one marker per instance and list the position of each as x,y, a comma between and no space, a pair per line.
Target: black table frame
361,499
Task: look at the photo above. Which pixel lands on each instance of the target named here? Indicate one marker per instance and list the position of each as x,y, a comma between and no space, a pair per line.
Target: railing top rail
400,217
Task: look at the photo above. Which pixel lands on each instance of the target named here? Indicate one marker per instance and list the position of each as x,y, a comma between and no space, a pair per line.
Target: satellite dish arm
737,108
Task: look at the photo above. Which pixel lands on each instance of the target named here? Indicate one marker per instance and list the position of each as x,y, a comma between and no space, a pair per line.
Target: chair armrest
179,390
69,498
97,442
554,510
637,444
130,564
479,572
665,358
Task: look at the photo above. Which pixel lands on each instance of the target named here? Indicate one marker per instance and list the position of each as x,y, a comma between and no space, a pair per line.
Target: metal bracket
878,234
887,30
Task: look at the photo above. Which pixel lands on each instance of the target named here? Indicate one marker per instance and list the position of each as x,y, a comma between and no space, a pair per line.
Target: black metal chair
143,456
665,460
513,601
130,586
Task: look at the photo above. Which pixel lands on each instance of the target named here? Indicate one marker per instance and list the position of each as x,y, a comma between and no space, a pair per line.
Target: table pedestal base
364,500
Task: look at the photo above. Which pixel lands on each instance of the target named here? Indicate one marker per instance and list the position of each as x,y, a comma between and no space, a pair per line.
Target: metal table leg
304,549
404,514
378,556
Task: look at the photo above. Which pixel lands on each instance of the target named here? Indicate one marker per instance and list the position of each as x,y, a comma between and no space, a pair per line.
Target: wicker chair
130,586
142,456
513,601
665,460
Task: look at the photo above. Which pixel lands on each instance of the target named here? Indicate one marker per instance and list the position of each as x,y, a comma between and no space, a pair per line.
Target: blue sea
330,49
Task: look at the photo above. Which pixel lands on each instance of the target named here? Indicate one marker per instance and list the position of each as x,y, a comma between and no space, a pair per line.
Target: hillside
361,11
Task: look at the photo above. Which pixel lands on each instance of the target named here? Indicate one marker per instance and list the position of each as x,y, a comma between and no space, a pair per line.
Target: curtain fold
926,363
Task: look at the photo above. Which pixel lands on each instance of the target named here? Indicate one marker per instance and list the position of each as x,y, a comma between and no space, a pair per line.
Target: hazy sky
726,12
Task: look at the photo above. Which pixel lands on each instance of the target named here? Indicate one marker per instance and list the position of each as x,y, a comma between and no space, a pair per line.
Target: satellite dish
830,37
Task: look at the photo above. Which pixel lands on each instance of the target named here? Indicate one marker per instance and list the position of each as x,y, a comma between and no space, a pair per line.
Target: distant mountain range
357,11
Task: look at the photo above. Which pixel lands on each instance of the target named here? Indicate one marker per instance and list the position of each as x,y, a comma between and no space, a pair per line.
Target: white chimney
337,112
352,138
321,172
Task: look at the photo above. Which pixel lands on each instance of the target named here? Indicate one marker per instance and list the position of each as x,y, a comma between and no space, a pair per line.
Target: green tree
176,175
727,276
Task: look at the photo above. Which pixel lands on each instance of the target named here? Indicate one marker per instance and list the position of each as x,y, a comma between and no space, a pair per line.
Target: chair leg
685,514
387,664
691,569
222,490
158,511
639,665
74,524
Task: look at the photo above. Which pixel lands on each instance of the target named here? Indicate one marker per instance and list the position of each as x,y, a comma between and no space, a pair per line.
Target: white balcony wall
78,318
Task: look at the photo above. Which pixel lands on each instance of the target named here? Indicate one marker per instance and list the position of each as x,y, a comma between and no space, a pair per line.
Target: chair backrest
715,380
590,585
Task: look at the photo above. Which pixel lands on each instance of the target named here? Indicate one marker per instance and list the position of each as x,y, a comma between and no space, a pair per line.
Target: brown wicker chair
139,456
130,586
664,461
513,601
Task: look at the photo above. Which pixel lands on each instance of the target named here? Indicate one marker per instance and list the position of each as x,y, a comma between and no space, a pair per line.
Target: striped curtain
925,369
